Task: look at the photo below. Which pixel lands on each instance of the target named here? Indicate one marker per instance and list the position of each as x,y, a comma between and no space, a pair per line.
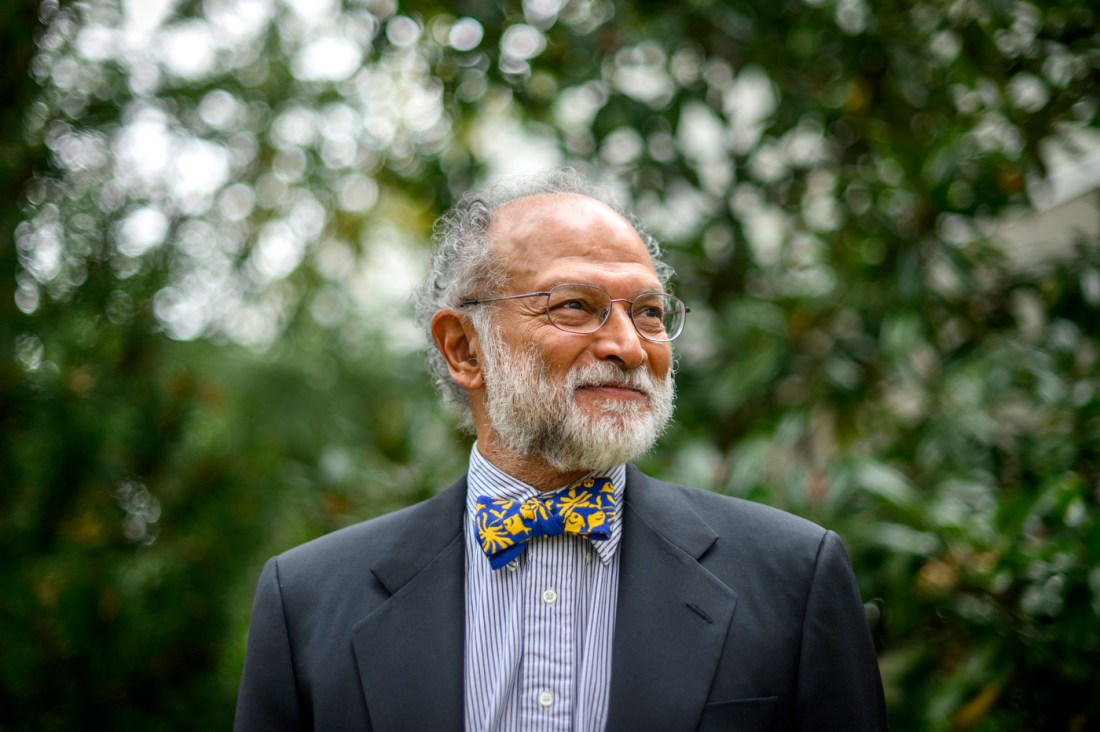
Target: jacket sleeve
268,698
839,686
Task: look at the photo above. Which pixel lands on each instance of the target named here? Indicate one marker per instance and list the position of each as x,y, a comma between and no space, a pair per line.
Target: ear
456,339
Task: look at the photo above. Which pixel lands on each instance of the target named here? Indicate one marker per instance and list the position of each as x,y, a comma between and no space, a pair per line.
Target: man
554,586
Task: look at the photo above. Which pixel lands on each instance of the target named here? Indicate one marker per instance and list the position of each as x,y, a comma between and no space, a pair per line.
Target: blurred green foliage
211,214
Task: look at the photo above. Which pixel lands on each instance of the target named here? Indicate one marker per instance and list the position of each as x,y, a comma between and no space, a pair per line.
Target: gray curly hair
463,266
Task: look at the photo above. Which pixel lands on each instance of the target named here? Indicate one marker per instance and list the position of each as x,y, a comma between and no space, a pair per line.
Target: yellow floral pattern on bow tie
505,526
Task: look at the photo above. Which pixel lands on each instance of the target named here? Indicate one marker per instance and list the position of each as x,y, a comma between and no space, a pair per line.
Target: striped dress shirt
539,630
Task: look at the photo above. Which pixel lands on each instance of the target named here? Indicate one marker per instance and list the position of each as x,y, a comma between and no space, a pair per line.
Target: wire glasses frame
576,308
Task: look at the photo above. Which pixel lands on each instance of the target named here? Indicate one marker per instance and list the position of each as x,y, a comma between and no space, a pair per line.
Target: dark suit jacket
731,615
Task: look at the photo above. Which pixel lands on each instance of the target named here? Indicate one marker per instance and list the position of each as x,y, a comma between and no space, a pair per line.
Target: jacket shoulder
743,528
353,548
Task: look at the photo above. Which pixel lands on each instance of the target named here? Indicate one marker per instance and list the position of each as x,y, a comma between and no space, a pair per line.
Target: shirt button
550,596
545,698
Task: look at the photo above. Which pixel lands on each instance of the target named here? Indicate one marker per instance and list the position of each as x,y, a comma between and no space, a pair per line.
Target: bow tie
505,526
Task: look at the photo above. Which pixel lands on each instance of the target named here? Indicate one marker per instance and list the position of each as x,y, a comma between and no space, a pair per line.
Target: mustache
603,373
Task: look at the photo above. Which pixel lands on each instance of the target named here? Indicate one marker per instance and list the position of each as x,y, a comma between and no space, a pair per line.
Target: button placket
548,671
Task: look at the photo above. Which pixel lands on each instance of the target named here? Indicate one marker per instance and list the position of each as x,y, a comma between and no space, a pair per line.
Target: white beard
537,417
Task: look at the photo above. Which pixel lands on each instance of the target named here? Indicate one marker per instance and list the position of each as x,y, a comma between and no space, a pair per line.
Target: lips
615,389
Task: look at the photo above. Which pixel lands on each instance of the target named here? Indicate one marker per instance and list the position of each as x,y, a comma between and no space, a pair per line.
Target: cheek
659,360
559,354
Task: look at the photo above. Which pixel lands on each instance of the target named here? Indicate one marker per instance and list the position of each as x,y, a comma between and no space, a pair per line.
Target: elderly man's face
580,400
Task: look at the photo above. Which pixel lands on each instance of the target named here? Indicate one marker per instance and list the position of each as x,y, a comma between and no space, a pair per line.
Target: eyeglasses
657,317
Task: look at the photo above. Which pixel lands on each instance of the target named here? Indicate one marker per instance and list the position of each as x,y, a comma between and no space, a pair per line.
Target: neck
533,472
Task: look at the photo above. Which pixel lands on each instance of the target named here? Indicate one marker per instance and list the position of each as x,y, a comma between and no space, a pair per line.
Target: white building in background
1066,206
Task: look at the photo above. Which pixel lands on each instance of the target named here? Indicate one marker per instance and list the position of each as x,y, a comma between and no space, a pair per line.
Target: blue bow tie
505,526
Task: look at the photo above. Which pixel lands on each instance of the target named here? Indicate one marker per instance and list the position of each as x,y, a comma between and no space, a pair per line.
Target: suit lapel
409,650
670,628
673,614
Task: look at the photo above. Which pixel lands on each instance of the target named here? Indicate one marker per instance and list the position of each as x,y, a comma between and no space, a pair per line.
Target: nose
618,340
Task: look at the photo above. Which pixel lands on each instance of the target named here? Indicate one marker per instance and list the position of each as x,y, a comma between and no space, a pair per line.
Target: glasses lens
577,308
584,309
658,317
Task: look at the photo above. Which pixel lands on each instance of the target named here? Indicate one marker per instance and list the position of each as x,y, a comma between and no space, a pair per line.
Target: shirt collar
486,479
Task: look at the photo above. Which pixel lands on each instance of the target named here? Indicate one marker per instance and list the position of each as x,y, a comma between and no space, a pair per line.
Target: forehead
558,237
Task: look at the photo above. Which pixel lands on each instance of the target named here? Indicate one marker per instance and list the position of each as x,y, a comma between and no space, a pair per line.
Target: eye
573,305
650,307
